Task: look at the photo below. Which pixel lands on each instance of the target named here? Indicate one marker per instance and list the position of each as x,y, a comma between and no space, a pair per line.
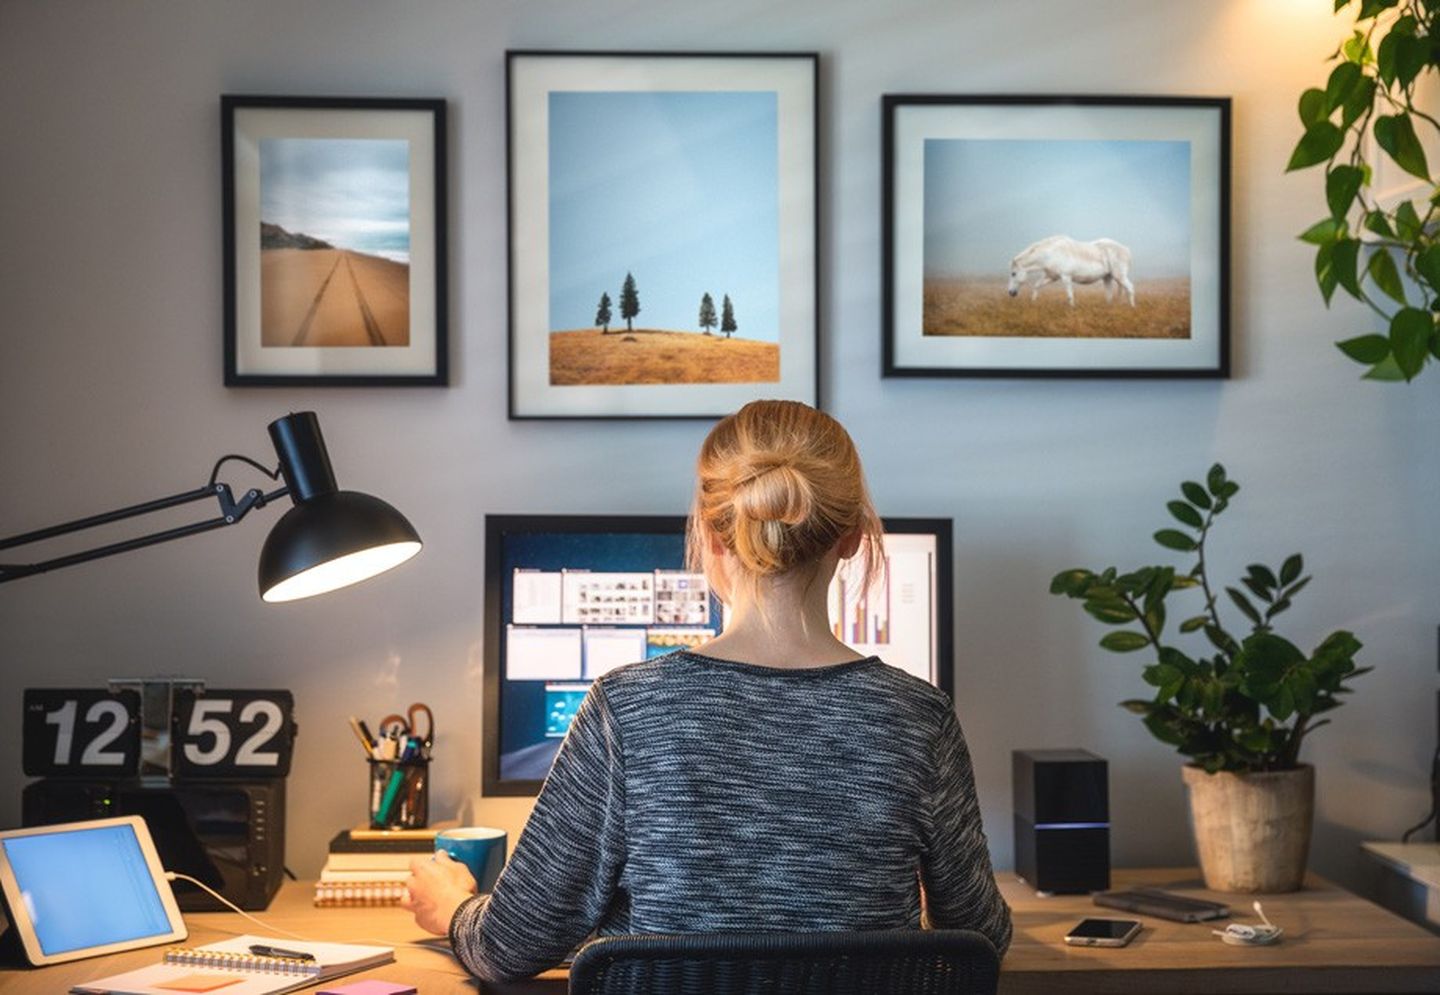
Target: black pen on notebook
260,950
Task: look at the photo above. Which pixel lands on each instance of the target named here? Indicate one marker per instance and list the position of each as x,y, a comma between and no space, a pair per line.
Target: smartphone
1103,932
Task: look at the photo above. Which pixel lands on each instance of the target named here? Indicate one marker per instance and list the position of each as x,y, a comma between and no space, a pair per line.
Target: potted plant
1377,246
1241,708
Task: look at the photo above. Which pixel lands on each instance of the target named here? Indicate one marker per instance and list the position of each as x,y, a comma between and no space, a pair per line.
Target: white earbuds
1240,935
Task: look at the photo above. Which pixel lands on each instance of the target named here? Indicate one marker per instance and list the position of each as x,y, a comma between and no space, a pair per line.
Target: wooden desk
1334,942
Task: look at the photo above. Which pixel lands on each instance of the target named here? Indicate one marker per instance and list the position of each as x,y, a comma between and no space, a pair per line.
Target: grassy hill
982,307
652,355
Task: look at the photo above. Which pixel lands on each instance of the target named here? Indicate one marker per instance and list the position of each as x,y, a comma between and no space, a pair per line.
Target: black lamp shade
332,540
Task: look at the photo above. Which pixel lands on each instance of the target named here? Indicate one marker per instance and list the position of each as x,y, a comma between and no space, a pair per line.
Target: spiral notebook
229,968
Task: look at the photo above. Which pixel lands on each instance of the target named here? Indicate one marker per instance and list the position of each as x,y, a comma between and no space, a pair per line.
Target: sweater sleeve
565,868
960,890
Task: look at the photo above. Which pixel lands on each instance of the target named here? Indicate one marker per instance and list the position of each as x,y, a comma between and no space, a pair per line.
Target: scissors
409,724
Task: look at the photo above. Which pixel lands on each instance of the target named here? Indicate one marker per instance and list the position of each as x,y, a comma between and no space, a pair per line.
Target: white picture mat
532,80
416,127
1199,126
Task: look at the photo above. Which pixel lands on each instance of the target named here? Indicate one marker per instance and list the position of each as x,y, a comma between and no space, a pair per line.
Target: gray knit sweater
700,795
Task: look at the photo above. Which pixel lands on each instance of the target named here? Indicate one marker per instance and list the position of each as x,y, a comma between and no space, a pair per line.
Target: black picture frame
412,328
911,169
536,389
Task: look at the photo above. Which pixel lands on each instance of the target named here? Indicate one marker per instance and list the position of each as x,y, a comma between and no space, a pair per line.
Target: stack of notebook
368,867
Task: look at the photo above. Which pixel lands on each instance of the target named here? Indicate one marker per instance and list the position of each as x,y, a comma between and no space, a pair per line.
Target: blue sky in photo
985,201
679,188
351,192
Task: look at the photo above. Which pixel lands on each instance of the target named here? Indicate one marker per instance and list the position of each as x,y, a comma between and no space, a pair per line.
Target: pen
355,726
260,950
368,737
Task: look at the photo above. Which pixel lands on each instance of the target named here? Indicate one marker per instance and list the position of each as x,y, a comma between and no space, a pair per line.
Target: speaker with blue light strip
1062,820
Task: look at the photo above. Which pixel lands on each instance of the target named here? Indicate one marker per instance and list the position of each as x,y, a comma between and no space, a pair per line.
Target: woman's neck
781,622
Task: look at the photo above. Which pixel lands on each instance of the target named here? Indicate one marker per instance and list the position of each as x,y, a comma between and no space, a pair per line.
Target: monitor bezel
25,929
498,526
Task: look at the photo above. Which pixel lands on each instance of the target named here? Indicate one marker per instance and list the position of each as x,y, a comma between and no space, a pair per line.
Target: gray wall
110,388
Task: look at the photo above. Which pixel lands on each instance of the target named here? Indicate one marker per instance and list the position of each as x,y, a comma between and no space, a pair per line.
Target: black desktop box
1062,820
227,833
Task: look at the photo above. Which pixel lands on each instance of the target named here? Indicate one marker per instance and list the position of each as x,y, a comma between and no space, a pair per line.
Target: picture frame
334,241
1000,210
672,197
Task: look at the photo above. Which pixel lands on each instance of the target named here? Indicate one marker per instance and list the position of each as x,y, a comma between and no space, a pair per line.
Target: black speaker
1062,820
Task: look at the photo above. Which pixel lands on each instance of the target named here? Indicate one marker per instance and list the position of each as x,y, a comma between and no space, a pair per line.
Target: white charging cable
1239,934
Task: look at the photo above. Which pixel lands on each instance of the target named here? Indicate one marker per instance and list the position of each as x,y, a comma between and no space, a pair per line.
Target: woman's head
780,486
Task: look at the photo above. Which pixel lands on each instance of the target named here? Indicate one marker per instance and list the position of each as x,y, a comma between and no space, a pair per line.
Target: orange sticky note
198,983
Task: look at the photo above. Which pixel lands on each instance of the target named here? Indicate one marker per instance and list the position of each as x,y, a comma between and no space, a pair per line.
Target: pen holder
399,794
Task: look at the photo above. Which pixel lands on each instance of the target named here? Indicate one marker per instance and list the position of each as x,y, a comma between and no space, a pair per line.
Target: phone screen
1103,929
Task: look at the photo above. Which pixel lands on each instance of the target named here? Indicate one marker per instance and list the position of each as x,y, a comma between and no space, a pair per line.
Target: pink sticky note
370,988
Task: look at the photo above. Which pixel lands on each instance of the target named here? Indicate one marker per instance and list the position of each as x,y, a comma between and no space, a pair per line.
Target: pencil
364,739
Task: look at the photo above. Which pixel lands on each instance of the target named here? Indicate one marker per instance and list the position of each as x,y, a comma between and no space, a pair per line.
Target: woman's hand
436,888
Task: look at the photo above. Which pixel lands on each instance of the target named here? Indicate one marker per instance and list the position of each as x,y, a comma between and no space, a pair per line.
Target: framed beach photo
334,241
663,232
1050,236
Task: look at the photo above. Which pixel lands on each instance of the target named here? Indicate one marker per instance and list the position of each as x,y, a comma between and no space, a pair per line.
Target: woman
773,780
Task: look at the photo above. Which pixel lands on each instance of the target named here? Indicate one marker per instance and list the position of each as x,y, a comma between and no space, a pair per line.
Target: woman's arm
960,890
562,875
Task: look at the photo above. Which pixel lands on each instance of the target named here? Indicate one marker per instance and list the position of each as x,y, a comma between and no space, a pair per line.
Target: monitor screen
568,598
86,887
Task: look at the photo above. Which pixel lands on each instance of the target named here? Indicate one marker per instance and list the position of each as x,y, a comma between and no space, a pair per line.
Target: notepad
229,968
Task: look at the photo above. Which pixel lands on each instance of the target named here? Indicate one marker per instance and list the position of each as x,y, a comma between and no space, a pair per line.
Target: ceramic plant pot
1252,830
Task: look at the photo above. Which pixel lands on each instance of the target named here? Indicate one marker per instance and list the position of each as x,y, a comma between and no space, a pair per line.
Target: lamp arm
231,511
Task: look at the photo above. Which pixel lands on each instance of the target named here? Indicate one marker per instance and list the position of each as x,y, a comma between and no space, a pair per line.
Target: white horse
1060,257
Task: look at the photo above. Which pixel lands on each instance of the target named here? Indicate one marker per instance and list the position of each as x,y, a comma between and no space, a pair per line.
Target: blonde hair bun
780,485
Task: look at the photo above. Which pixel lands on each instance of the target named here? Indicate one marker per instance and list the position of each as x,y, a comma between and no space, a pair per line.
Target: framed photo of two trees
663,232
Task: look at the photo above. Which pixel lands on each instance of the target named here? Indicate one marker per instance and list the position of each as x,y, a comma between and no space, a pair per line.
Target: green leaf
1263,574
1137,705
1215,479
1229,489
1324,232
1342,183
1175,539
1382,271
1410,330
1345,259
1185,513
1293,565
1221,640
1192,624
1195,494
1110,612
1377,222
1312,107
1360,100
1407,222
1243,603
1367,349
1155,617
1071,582
1396,136
1160,674
1256,588
1427,264
1410,57
1385,371
1338,87
1385,56
1124,642
1325,272
1320,141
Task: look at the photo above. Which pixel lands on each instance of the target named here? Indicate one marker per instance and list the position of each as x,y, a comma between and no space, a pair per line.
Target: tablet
81,889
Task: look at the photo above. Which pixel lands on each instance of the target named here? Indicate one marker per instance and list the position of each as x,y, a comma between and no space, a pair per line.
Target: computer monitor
570,597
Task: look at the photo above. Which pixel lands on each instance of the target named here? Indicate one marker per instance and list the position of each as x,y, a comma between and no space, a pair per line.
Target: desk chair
888,962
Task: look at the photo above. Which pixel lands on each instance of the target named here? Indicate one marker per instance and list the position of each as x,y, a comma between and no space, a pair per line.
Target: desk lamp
329,539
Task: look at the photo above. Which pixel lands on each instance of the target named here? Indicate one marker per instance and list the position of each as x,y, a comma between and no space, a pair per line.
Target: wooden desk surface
1334,942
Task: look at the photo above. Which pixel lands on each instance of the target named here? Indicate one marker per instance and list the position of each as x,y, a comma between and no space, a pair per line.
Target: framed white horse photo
1050,236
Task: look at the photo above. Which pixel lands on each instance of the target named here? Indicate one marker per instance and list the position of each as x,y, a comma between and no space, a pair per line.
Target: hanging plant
1385,255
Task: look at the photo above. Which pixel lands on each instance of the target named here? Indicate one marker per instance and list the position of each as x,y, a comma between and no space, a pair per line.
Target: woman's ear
849,543
713,543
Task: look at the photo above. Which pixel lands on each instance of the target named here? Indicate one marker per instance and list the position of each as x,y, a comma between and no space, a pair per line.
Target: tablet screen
86,887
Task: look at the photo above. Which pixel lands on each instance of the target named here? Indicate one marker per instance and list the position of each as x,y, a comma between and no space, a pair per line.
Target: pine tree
602,314
707,313
727,317
629,302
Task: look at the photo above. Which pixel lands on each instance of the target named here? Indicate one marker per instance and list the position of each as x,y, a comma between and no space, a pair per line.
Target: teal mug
480,849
